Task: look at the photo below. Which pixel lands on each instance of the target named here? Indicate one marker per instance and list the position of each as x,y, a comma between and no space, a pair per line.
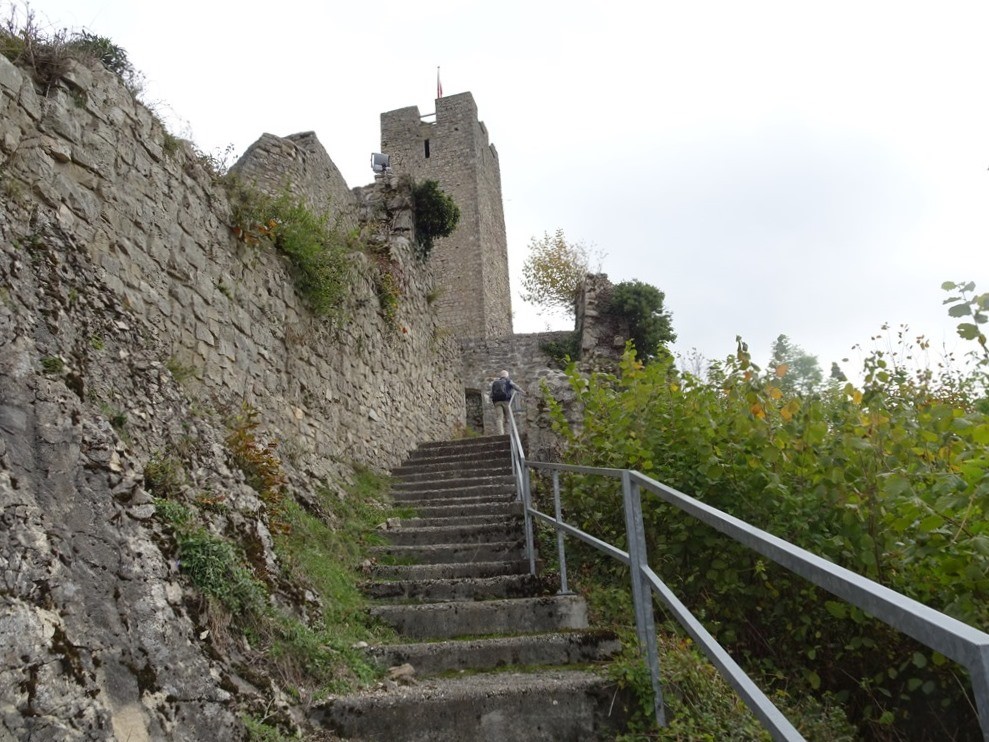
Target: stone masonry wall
131,323
530,367
602,335
298,164
158,227
476,298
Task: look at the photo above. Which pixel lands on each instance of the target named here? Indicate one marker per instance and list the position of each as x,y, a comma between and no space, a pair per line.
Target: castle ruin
453,150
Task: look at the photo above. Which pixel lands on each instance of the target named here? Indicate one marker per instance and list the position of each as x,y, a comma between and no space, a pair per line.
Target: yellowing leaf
781,370
775,392
757,410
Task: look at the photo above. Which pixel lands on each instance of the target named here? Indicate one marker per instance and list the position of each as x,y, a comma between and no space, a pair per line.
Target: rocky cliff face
131,323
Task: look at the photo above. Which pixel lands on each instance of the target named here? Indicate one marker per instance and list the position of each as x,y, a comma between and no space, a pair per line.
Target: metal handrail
954,639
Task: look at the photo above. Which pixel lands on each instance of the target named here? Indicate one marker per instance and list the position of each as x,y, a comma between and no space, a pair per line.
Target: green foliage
259,730
47,55
164,476
699,702
116,417
388,286
216,162
322,551
320,544
170,143
561,352
214,567
436,215
974,309
641,306
797,371
554,272
181,372
175,514
890,480
318,252
110,55
52,365
259,462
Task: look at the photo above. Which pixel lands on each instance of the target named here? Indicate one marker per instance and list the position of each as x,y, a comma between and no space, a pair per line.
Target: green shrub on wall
436,215
47,56
641,306
318,251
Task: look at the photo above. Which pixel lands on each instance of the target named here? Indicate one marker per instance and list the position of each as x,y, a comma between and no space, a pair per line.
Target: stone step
459,482
411,472
467,504
503,530
464,461
462,446
507,616
451,571
490,490
461,588
539,707
433,658
498,551
461,520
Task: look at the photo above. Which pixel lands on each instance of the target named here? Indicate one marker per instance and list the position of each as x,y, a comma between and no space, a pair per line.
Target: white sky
814,169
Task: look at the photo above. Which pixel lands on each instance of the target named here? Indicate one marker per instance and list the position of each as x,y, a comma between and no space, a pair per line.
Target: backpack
501,390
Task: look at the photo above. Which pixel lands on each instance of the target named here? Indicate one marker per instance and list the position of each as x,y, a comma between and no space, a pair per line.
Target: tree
554,272
797,371
641,305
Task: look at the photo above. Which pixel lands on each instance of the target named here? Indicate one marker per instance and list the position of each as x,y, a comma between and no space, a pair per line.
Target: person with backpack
502,391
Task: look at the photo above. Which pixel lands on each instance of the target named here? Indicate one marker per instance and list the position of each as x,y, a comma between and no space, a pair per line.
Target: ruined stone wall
531,368
602,335
132,323
299,165
454,150
158,227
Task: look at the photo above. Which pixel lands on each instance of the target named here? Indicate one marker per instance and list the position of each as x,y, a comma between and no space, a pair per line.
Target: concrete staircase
493,652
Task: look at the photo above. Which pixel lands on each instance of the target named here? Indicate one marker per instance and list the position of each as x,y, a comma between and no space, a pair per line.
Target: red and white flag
439,85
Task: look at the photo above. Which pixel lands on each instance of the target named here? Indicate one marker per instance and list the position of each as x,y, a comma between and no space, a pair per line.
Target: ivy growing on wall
436,215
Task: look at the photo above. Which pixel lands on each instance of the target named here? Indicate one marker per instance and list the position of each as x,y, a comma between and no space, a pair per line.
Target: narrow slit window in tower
425,147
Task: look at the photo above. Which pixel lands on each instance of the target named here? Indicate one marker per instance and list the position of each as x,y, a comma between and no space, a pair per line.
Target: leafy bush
699,702
436,215
891,481
562,351
641,306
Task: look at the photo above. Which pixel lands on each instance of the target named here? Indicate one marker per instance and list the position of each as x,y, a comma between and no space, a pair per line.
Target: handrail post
561,550
530,547
979,674
641,592
522,484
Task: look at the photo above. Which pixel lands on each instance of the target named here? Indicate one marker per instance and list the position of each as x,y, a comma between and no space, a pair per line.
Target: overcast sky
814,169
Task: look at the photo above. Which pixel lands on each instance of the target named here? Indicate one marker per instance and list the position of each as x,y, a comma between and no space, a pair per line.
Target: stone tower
472,263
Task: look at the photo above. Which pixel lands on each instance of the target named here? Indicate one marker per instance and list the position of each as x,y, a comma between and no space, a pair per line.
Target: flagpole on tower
439,85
